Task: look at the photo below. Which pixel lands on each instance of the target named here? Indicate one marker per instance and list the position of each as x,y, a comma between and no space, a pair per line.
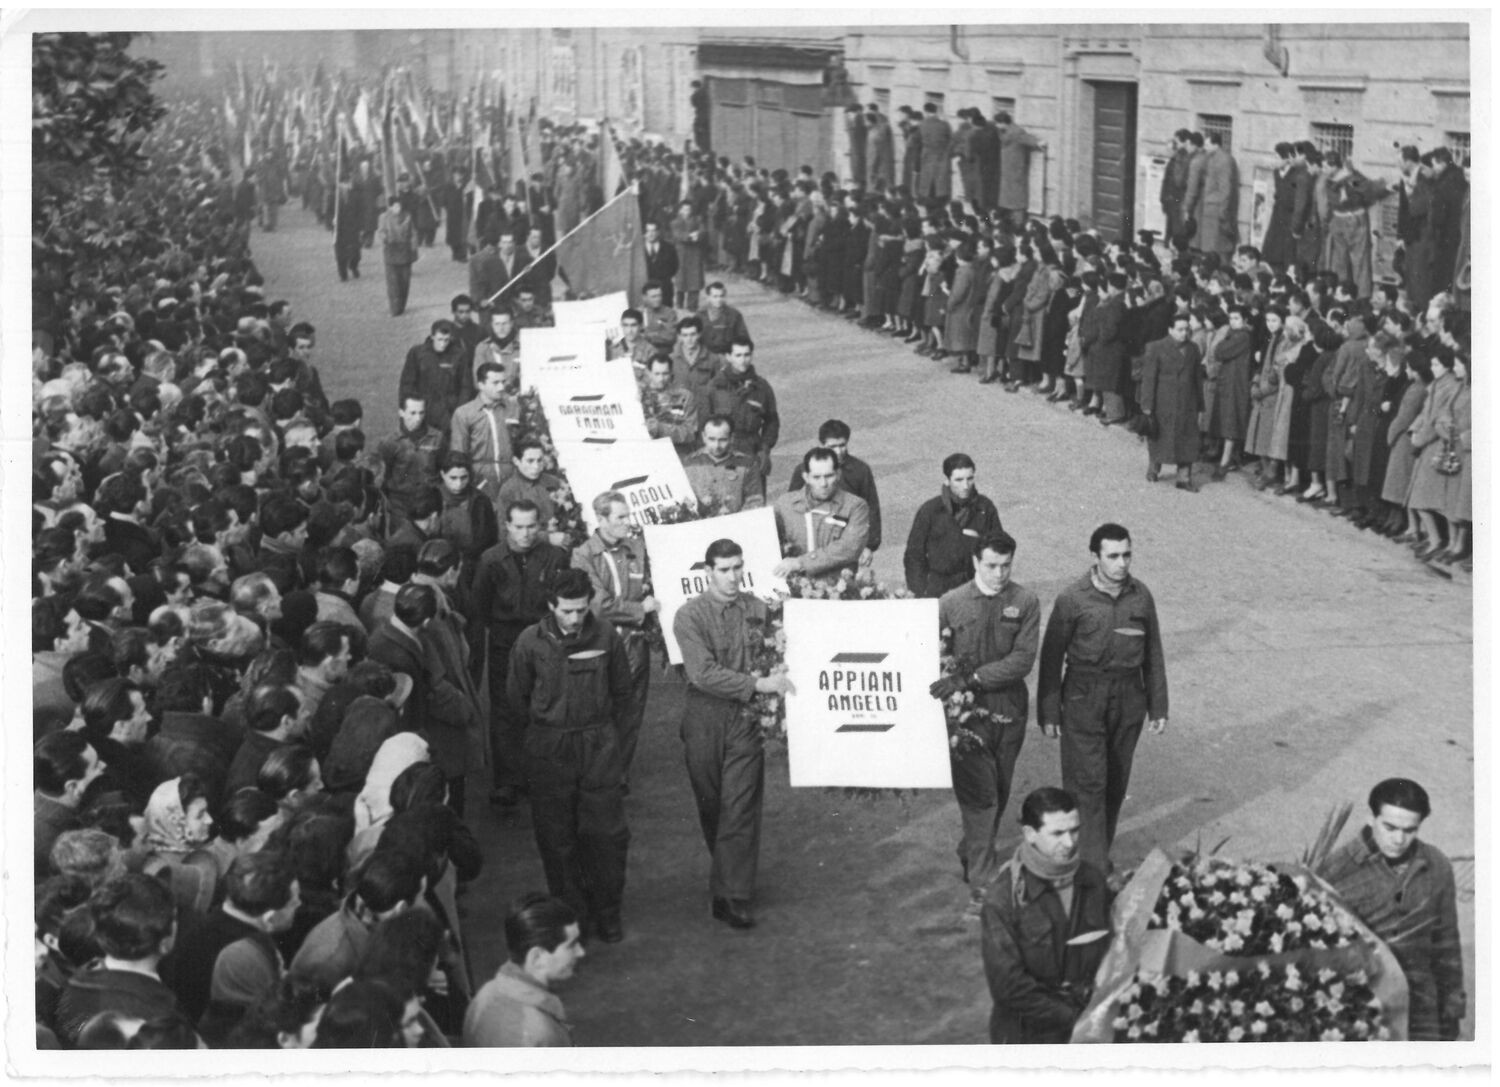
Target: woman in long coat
1231,415
1290,438
1264,390
993,335
1369,414
1315,396
984,272
691,239
934,296
986,343
1044,283
811,275
1429,487
1460,508
1401,457
1172,394
888,272
1055,335
963,301
909,306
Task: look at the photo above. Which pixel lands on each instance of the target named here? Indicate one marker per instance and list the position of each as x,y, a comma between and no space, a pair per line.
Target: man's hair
692,321
742,341
281,514
722,549
243,813
427,502
85,852
522,505
132,915
834,428
633,314
106,703
488,368
268,704
391,877
718,420
286,769
461,300
257,882
1000,542
415,604
605,500
437,557
1400,793
337,565
1107,531
819,453
1040,803
248,590
401,951
321,641
569,584
954,461
536,920
715,286
442,324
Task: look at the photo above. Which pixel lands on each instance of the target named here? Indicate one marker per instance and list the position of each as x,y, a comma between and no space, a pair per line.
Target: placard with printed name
605,309
862,715
647,473
677,570
601,401
547,351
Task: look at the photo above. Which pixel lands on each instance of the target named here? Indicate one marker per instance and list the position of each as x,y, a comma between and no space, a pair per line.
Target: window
1458,143
1219,124
883,99
997,104
1338,138
933,98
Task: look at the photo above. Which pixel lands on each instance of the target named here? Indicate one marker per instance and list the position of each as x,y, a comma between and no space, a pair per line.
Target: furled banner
605,310
553,350
647,473
862,715
601,400
676,553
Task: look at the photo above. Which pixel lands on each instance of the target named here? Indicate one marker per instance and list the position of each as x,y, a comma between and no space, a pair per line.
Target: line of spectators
248,804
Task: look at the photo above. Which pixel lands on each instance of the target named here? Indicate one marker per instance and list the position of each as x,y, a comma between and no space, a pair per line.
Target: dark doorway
1114,159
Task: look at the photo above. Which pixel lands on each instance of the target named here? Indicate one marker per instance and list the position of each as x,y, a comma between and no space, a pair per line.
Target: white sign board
676,553
559,350
600,401
605,310
647,473
862,715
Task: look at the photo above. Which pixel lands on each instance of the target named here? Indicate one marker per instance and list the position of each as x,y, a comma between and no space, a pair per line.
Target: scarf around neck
1059,874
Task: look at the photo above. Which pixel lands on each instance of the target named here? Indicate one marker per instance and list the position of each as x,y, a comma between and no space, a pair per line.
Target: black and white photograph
1097,392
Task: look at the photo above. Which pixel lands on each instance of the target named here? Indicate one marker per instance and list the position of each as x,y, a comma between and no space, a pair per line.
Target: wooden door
1114,159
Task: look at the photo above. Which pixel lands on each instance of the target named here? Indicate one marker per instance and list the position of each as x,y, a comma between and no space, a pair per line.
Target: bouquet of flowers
1260,1004
567,516
531,422
1203,947
962,707
1250,909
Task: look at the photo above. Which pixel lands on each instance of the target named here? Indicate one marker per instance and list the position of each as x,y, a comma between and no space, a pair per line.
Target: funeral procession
696,537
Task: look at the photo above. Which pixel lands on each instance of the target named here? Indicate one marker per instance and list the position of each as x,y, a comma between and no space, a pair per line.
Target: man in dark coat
1172,397
437,373
1174,183
881,149
348,232
1100,334
1046,897
984,145
661,260
935,168
940,547
854,125
1445,220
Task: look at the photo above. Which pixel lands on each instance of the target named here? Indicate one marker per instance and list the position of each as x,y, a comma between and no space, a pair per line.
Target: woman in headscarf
373,805
1265,389
1294,358
177,825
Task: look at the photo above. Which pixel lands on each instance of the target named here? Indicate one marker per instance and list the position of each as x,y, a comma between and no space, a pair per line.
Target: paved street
1306,661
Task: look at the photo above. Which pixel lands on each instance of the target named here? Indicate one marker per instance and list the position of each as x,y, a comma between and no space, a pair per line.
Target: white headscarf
373,805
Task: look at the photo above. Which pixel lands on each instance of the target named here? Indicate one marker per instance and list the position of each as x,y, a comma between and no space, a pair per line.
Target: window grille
1220,125
1338,138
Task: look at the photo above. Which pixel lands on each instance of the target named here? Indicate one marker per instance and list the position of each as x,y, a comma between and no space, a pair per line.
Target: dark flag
605,253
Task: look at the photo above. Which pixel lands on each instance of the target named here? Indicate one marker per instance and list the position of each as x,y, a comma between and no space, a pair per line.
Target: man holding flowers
995,625
1045,925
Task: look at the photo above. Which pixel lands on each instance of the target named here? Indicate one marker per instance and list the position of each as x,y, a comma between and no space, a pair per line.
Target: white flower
1215,981
1133,1012
1120,1022
1191,1036
1195,914
1294,928
1232,942
1263,968
1383,1033
1150,1028
1277,943
1133,1033
1258,1027
1216,1007
1336,989
1193,979
1231,979
1237,1009
1264,1008
1244,878
1312,921
1360,1027
1236,1034
1296,1003
1216,898
1325,976
1260,892
1301,882
1195,1008
1334,1006
1285,912
1332,1034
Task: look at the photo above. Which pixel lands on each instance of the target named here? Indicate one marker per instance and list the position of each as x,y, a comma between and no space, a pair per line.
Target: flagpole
631,191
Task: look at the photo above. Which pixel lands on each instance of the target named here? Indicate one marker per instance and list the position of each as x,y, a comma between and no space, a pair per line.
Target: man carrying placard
824,526
722,742
614,558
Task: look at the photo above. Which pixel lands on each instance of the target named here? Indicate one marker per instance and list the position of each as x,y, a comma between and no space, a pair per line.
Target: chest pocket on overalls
1128,641
833,527
587,682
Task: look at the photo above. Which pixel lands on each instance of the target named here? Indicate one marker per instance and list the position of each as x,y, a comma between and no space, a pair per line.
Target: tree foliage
92,107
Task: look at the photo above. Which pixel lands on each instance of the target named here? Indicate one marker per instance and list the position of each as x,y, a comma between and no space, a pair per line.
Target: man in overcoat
1172,397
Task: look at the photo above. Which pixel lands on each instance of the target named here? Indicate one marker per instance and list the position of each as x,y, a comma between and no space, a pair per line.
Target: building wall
1406,83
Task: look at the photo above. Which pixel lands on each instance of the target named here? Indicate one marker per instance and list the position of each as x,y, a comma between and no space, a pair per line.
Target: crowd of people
261,645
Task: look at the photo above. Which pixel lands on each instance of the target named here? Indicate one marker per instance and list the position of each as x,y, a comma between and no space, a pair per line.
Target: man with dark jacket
661,260
191,740
509,594
855,476
940,547
569,683
1046,927
747,399
437,373
1445,219
1174,183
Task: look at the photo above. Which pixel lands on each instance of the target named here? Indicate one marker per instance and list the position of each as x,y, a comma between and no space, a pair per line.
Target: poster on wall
1153,218
563,87
677,570
861,715
1262,195
632,90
